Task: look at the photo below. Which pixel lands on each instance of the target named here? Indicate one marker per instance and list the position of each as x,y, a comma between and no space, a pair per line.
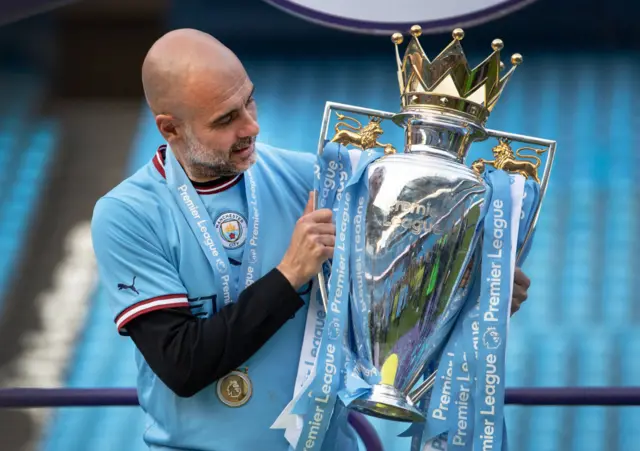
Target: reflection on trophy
423,212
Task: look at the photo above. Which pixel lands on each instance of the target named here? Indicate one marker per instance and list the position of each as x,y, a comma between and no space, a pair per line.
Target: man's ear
168,127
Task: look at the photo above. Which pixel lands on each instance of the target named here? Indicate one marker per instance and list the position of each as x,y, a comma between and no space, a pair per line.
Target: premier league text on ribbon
462,401
317,339
499,228
492,379
445,398
196,214
359,248
342,263
464,395
330,370
253,242
208,241
329,181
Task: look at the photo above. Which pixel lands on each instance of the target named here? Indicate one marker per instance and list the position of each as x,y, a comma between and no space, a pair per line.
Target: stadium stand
579,326
104,428
27,147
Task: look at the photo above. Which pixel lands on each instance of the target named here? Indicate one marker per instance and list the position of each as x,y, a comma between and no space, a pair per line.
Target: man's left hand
521,284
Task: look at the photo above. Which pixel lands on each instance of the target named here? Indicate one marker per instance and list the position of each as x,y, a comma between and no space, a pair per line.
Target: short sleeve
132,266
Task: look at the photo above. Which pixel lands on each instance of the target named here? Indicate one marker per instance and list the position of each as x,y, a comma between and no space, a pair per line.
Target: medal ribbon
204,230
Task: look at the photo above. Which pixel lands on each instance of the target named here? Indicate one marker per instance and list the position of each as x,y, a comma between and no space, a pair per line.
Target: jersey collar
212,187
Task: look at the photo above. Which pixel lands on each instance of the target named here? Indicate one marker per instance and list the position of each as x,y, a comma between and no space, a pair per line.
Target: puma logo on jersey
132,287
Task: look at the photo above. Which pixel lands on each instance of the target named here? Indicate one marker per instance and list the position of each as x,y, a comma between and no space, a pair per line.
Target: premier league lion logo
334,330
491,338
233,390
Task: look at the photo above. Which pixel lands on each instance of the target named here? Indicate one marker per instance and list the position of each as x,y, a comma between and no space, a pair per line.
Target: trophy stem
423,389
443,135
386,402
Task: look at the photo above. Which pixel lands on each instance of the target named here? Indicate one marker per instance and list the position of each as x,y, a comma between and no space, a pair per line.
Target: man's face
218,138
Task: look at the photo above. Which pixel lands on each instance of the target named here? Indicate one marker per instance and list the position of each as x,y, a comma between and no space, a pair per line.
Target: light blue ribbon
324,388
460,421
529,204
361,374
204,230
476,350
442,409
335,369
328,168
471,337
333,169
495,294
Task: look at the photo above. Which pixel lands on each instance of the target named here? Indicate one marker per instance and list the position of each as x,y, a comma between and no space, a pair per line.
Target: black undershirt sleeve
189,353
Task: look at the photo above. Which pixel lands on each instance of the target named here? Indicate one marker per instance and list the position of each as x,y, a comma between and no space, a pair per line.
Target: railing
557,396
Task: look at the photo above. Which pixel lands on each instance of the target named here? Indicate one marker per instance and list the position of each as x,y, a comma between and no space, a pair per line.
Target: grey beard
211,170
207,164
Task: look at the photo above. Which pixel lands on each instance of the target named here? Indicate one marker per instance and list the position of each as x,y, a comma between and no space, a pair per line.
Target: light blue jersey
149,259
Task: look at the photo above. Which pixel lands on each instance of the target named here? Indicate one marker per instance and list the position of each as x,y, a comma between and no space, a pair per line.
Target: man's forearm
189,353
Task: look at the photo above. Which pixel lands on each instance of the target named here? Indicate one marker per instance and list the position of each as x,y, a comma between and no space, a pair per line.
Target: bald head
202,100
177,65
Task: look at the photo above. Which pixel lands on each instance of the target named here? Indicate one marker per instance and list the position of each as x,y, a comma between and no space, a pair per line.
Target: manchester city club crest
232,228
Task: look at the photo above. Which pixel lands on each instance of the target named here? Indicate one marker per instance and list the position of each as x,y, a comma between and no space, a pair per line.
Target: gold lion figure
361,137
505,159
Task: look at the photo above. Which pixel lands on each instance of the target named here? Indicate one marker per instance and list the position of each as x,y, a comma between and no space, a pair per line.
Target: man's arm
150,302
189,353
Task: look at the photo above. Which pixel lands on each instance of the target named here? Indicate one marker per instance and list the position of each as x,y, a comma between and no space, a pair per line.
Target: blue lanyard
204,230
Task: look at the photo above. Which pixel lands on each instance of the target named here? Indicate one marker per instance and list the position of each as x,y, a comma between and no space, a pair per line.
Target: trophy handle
322,285
508,161
349,138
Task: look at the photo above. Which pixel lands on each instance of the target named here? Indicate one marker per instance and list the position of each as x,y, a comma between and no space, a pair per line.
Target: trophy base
387,402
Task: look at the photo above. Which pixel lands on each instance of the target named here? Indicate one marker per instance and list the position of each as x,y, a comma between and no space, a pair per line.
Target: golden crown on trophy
447,84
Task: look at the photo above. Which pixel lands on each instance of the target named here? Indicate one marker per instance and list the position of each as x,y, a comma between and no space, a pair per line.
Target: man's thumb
310,204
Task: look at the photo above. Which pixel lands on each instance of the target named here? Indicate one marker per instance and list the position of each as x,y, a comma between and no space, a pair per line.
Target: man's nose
250,127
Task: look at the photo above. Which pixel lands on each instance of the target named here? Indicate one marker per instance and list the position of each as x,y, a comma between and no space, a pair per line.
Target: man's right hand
312,244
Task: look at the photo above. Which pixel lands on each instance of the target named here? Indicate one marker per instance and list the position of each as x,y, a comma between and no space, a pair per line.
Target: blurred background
73,124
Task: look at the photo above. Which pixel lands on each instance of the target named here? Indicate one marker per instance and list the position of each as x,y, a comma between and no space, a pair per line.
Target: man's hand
521,284
312,244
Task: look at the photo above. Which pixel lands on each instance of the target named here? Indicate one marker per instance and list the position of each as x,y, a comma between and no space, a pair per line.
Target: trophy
422,216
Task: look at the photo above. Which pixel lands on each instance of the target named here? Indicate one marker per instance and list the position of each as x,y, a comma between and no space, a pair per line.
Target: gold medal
235,389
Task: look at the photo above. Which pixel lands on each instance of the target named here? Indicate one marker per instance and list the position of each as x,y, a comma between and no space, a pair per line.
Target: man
208,254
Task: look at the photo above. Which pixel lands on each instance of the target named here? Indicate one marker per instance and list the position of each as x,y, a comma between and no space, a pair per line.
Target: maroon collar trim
215,186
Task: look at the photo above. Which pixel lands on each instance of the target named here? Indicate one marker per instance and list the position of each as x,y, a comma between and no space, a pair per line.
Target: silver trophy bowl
421,223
